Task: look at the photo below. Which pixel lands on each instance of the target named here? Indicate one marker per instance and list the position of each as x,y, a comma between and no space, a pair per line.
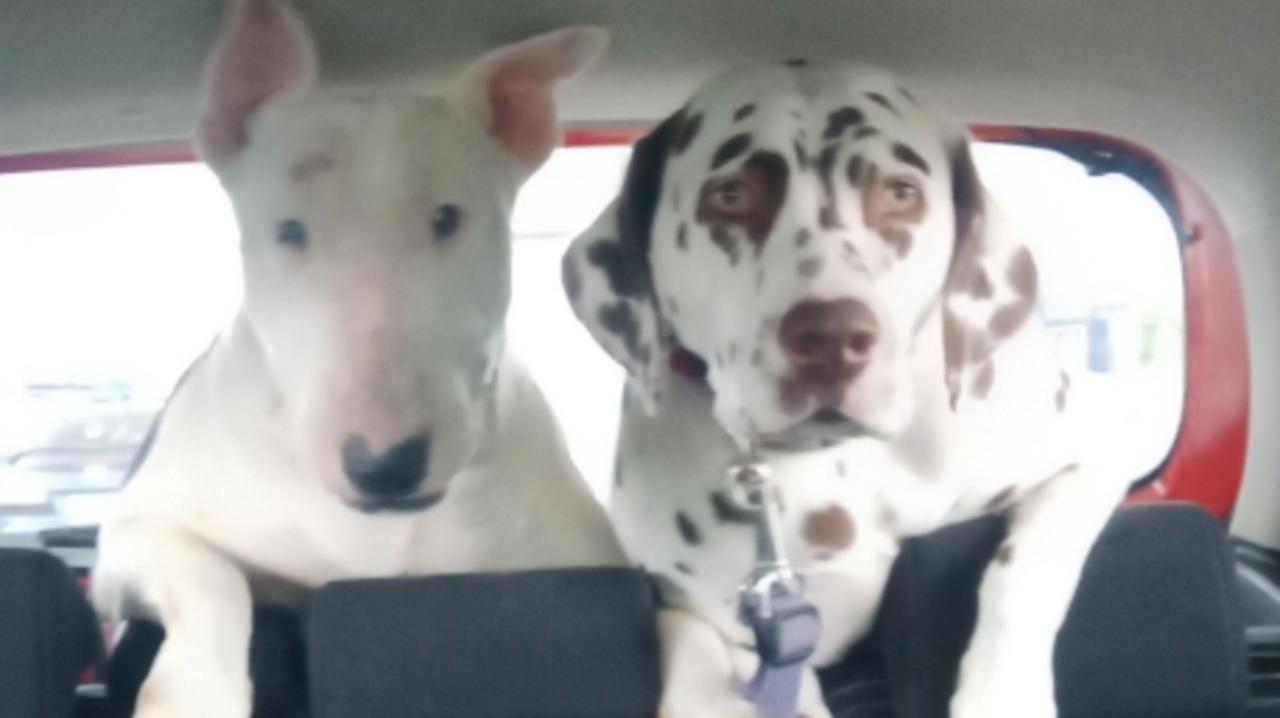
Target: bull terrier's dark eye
445,221
292,233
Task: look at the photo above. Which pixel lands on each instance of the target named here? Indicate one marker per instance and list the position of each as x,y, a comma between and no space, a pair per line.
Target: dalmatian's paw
1003,689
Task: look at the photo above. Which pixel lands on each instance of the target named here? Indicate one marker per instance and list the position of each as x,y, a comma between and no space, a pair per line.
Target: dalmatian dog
803,261
358,417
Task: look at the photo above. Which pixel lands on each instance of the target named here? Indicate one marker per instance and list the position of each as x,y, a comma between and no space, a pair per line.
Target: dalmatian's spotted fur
804,258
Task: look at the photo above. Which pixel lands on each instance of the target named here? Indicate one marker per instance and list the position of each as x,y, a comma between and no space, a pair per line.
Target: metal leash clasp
751,486
771,599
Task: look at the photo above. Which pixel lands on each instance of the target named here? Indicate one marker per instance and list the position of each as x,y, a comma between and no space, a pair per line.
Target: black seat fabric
277,664
542,643
48,636
1154,631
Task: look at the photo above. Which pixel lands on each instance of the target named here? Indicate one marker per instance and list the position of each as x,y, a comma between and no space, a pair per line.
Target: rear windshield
112,280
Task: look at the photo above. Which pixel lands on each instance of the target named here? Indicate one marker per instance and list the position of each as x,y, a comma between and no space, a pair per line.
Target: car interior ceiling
1193,81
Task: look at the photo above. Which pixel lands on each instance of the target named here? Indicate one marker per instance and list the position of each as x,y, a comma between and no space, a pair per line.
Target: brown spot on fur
1022,274
897,238
982,288
796,62
310,166
744,112
725,240
1060,397
863,133
1000,500
983,381
802,237
689,531
683,567
953,349
1004,554
829,217
887,518
809,267
1022,278
830,528
682,236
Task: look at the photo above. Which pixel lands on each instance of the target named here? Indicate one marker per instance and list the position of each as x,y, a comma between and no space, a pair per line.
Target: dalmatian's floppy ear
991,287
608,278
511,90
265,53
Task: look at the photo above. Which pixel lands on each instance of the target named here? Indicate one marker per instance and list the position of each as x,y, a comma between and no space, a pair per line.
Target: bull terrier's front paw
191,694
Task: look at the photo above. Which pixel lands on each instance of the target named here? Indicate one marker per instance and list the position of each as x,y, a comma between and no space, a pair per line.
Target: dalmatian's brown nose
828,343
396,472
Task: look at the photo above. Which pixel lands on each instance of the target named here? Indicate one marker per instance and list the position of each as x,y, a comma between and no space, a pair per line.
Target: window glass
112,280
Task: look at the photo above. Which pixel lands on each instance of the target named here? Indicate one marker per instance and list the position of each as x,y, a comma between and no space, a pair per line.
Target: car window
112,280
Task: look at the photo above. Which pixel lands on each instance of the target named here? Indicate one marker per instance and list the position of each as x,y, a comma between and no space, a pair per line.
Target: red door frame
1206,462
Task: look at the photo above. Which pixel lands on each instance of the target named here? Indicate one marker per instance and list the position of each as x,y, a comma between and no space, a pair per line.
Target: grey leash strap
771,601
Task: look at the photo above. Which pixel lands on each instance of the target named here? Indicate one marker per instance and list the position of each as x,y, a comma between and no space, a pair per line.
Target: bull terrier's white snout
390,479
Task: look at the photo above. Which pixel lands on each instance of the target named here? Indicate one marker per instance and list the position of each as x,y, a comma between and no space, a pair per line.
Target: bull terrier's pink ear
265,52
511,91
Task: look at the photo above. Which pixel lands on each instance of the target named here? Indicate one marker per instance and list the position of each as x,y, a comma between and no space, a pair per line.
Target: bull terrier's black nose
828,343
398,471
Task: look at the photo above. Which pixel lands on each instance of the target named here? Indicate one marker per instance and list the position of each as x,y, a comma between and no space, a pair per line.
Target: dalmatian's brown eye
899,198
731,196
903,191
445,221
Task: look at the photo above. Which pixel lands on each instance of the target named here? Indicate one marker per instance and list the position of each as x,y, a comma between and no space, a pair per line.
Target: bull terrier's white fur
376,257
821,241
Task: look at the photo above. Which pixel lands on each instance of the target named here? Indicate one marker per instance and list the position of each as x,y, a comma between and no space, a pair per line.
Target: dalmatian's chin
876,412
824,428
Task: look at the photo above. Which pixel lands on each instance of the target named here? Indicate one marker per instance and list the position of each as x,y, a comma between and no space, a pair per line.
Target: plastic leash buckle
771,602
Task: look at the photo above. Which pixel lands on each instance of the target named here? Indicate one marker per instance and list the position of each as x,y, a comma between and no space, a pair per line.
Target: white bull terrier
358,417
